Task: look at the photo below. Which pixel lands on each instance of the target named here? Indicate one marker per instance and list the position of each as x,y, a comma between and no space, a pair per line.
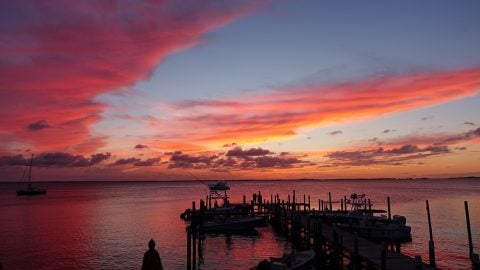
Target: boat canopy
219,186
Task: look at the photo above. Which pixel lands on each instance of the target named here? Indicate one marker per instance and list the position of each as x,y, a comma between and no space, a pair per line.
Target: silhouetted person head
151,258
264,265
151,244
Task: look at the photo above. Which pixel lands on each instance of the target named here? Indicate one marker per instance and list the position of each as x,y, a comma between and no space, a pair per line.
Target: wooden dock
302,225
335,248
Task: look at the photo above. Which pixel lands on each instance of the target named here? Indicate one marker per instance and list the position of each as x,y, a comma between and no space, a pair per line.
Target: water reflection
106,225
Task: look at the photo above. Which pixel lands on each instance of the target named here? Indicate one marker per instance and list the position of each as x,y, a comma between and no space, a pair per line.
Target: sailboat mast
30,171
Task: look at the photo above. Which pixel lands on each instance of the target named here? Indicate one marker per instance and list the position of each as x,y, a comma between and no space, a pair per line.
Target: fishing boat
361,219
378,228
30,190
301,260
219,186
233,224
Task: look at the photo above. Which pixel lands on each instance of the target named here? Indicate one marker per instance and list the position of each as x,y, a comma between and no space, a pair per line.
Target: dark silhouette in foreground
151,259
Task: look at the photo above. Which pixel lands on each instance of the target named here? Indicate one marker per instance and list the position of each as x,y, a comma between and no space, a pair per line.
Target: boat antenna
198,179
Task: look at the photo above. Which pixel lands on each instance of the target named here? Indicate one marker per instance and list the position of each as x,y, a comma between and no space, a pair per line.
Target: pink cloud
56,57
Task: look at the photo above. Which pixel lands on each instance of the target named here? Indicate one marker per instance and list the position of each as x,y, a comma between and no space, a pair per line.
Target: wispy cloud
55,159
436,138
336,132
141,146
425,118
239,152
38,125
393,156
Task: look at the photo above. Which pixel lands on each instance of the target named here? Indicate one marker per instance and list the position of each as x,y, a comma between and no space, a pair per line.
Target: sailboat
31,190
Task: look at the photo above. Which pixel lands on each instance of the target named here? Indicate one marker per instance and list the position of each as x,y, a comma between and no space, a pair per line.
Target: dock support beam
189,248
469,231
418,262
389,211
383,256
431,244
330,201
355,253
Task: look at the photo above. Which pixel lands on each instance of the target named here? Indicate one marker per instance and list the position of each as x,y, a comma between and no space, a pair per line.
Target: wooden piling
475,262
199,229
340,252
354,258
383,257
330,201
431,244
389,210
418,263
469,231
194,250
189,248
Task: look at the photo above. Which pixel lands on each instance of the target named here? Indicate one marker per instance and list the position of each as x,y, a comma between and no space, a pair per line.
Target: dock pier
334,247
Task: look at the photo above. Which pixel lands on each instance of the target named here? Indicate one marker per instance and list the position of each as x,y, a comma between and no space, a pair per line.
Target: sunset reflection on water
108,225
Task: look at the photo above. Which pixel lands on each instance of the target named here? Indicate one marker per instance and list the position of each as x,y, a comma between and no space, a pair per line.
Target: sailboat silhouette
31,190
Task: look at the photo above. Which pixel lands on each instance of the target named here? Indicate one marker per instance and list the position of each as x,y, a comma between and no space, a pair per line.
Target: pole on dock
475,262
418,262
355,252
389,210
304,203
189,248
194,247
469,231
383,256
199,228
330,200
431,244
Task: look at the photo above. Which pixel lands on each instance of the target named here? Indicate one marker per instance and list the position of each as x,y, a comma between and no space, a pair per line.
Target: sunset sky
159,90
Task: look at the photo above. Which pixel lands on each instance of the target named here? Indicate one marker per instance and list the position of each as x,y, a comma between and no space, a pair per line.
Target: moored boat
361,219
31,190
232,224
301,260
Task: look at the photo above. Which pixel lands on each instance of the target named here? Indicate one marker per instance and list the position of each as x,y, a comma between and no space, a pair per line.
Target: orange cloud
280,113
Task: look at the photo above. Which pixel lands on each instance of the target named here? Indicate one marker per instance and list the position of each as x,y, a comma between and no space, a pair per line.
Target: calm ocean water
107,225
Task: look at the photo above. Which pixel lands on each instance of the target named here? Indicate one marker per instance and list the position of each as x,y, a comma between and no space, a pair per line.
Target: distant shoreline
251,180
